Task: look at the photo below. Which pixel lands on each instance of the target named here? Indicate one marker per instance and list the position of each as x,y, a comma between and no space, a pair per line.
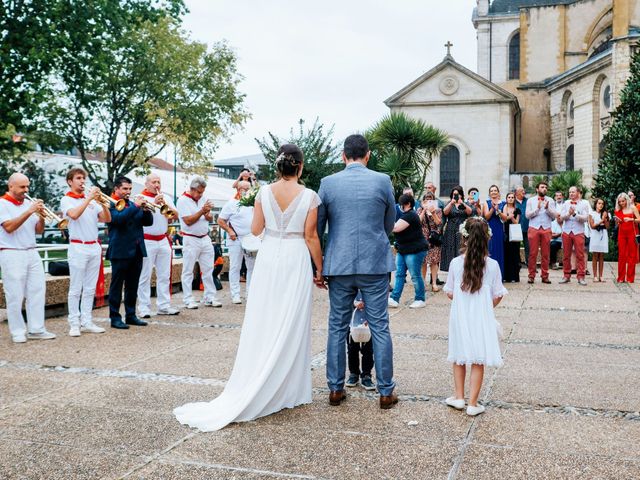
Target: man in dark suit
126,250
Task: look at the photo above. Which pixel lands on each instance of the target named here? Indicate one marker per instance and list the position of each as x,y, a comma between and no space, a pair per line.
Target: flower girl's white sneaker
457,403
473,411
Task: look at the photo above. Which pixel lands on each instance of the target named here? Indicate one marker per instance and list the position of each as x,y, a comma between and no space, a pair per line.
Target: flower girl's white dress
473,328
272,370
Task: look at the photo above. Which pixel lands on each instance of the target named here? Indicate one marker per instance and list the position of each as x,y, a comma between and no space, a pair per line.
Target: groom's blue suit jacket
359,209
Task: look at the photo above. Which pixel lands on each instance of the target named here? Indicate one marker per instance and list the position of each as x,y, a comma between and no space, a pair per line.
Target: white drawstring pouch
359,329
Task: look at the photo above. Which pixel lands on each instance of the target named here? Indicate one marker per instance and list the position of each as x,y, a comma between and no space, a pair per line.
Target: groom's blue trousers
375,294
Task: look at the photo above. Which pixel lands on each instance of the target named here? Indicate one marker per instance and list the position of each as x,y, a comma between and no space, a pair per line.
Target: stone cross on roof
448,45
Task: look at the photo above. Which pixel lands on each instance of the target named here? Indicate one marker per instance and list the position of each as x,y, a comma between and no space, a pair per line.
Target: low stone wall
58,287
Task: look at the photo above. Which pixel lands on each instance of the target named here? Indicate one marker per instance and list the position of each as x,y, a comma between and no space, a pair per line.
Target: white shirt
160,223
186,207
85,227
25,236
238,217
540,217
574,223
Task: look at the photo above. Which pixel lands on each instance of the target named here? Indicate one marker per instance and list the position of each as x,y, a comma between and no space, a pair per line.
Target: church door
449,169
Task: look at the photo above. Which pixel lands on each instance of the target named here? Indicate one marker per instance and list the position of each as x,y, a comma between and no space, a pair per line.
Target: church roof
513,6
503,96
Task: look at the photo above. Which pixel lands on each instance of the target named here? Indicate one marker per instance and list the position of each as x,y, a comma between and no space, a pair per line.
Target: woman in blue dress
492,211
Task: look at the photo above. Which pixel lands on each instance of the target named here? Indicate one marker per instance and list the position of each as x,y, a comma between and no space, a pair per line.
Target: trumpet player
158,246
236,221
126,251
85,252
195,214
22,272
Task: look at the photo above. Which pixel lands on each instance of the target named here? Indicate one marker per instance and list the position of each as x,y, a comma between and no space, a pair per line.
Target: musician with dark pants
126,251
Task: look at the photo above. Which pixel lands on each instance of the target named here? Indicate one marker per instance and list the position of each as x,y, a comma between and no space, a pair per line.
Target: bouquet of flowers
249,198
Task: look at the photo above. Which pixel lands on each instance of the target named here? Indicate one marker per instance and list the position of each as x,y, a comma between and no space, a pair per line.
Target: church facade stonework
549,74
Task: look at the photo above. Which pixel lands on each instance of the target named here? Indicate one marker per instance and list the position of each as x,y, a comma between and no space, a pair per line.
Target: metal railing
56,250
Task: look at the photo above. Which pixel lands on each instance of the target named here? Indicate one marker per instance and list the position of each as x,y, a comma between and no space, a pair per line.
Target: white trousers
23,278
236,254
198,250
84,268
159,256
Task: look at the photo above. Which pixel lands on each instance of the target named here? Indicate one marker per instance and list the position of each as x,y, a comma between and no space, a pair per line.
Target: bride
272,370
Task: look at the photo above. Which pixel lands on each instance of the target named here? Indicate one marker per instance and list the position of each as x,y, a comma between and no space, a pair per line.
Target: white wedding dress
272,370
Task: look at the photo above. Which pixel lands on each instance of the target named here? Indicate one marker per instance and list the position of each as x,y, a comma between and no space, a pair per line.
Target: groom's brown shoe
336,397
388,401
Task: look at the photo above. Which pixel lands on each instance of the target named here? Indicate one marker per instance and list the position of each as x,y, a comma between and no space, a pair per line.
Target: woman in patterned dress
455,213
431,219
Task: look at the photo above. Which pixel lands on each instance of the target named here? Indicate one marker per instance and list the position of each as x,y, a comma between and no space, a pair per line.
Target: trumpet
163,209
49,215
108,201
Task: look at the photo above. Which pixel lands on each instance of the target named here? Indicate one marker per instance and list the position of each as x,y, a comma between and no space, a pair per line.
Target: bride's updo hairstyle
288,161
475,245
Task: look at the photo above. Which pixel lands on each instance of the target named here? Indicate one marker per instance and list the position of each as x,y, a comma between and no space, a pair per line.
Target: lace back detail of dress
290,223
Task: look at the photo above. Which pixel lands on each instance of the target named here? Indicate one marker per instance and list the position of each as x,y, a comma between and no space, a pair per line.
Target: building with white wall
556,67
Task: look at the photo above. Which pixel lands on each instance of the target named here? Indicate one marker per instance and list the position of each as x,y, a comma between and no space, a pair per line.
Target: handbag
515,232
435,237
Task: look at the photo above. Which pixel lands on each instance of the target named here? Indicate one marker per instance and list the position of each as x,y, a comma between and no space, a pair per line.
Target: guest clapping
626,218
599,244
492,212
412,248
573,217
511,215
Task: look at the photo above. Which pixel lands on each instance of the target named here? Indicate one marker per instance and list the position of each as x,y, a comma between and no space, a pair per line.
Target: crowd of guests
428,238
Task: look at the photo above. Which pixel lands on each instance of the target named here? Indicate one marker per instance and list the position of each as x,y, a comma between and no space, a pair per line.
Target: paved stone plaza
564,405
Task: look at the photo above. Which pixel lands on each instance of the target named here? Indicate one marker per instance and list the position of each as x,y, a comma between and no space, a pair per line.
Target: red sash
9,198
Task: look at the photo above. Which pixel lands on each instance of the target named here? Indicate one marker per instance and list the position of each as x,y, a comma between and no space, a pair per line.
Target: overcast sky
336,60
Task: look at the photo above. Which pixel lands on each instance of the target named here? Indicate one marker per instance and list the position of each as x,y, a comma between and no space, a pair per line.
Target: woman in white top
599,243
475,285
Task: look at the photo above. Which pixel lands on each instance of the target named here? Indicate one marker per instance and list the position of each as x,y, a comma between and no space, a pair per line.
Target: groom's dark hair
355,147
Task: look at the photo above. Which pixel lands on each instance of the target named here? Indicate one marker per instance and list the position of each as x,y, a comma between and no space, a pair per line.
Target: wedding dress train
272,369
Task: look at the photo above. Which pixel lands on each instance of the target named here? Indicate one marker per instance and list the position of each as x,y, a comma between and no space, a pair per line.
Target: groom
359,208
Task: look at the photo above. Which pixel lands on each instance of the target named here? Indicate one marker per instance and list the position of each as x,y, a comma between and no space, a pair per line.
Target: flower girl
475,285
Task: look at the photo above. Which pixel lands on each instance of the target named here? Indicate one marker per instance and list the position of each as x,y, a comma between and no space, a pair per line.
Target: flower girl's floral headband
463,228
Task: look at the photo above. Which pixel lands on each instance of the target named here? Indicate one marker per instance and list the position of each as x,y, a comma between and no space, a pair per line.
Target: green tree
131,95
619,169
403,148
320,153
26,59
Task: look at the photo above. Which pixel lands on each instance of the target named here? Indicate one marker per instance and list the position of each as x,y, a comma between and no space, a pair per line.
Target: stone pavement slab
564,405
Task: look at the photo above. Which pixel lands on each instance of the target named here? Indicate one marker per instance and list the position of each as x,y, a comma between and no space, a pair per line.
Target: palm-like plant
564,180
403,148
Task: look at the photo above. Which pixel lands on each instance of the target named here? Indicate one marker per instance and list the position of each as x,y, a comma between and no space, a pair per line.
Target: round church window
449,85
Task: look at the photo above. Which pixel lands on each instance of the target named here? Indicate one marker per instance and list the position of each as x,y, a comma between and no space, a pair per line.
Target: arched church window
514,57
449,168
569,159
606,97
571,109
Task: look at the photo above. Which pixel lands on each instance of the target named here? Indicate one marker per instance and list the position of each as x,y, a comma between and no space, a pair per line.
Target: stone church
549,74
